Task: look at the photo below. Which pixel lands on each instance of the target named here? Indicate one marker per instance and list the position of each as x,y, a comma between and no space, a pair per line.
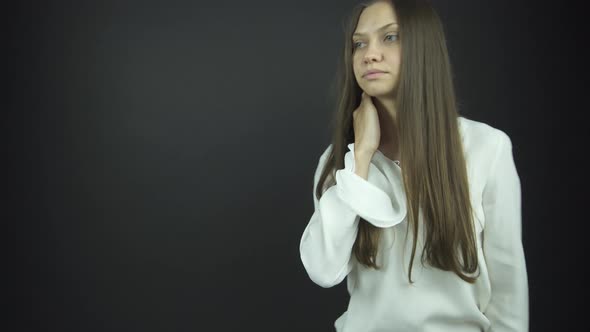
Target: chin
379,91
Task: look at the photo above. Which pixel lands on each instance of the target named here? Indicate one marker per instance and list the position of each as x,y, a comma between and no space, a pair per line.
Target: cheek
355,67
395,63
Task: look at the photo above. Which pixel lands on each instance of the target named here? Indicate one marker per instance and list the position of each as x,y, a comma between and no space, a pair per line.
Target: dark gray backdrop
168,150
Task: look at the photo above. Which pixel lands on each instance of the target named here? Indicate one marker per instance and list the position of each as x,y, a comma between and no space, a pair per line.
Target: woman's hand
367,132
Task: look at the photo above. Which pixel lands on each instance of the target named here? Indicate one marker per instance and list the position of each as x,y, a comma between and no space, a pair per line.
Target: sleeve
502,245
327,241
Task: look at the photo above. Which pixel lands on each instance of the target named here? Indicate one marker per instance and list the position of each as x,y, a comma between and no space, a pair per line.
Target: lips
373,71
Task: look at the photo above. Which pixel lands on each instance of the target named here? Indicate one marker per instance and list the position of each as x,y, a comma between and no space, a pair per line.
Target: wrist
363,154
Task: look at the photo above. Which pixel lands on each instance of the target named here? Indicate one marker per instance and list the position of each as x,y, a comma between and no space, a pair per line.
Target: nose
372,54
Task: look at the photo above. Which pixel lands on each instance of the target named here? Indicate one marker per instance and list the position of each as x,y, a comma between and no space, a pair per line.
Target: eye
391,35
356,45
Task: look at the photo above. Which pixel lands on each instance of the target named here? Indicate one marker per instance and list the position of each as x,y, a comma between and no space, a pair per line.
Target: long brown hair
433,165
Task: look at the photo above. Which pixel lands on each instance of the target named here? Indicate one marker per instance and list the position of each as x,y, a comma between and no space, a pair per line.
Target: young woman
417,206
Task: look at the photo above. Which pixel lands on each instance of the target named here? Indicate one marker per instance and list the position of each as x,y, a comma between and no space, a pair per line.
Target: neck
387,120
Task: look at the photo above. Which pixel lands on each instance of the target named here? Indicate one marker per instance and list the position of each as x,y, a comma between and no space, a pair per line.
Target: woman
407,177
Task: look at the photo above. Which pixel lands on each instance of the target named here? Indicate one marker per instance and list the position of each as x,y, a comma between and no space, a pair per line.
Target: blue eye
386,37
355,45
390,37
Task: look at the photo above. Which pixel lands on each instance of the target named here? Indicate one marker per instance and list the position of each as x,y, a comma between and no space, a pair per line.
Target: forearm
327,241
362,161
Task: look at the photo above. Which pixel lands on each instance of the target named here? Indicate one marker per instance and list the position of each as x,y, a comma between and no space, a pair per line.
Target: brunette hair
434,170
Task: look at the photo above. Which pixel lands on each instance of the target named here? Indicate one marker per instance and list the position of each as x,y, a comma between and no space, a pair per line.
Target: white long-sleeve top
438,301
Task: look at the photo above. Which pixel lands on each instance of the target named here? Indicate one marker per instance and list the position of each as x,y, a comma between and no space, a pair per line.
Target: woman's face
376,46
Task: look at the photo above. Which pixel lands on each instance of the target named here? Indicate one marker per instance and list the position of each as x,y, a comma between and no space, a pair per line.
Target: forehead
375,16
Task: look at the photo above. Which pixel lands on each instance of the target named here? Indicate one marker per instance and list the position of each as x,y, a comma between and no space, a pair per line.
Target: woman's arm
326,243
502,243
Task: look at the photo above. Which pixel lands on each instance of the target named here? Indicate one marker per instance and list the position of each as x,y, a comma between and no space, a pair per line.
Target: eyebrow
381,28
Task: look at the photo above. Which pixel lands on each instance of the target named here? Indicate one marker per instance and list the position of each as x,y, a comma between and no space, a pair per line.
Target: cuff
366,198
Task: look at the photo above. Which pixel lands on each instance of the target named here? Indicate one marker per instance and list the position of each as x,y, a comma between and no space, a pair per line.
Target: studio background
165,150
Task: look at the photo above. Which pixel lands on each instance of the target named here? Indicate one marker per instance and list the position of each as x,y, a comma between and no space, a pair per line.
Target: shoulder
326,152
485,146
480,131
482,136
323,158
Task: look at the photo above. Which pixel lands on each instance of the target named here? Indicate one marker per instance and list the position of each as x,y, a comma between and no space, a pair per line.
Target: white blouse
384,300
